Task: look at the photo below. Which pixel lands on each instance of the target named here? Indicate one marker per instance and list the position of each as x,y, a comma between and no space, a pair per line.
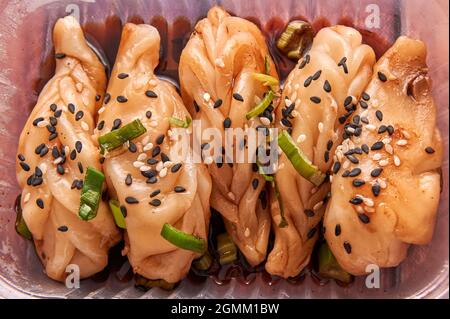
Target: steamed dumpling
152,189
374,215
319,94
55,149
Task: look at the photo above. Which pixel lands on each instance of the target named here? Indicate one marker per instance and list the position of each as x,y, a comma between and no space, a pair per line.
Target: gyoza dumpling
218,86
391,201
319,94
152,189
55,149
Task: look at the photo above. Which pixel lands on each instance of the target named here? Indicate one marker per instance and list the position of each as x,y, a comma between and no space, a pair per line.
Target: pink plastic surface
26,64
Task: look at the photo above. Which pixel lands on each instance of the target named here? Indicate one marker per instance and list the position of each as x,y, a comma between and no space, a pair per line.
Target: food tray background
26,64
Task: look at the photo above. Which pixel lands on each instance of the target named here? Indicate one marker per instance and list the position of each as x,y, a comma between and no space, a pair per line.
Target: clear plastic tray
26,64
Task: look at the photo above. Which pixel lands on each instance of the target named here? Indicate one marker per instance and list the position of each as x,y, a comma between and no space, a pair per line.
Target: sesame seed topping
123,210
101,110
24,166
155,202
122,99
122,76
348,247
179,189
376,172
356,200
176,168
84,126
227,122
218,103
337,230
382,77
238,97
358,182
309,212
397,161
132,147
379,115
148,114
131,200
160,139
128,180
402,142
60,56
107,98
63,229
315,99
429,150
376,189
40,203
307,81
100,125
377,146
336,167
206,97
383,162
71,108
311,233
116,124
327,86
365,96
301,138
364,218
154,193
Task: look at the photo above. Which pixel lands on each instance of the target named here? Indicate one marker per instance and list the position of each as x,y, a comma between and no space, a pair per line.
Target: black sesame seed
365,96
80,167
355,172
74,184
156,150
286,122
342,119
238,97
63,229
155,202
51,129
73,155
390,129
348,247
160,139
100,125
363,104
132,147
356,200
98,97
382,77
311,233
148,114
71,108
39,148
60,56
176,168
58,113
128,180
346,173
24,166
364,218
152,161
150,93
329,145
78,146
376,189
327,86
37,120
382,129
337,230
429,150
40,203
218,103
79,115
227,122
376,172
307,81
336,167
316,75
155,192
131,200
116,124
255,183
365,148
348,100
107,98
179,189
122,76
80,184
352,159
342,61
21,157
356,119
164,157
55,152
30,180
377,146
37,181
315,99
358,182
379,115
365,120
53,121
121,99
60,169
302,64
123,210
326,156
309,212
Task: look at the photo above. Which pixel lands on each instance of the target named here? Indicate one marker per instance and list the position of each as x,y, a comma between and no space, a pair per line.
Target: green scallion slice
117,138
183,240
180,123
267,80
91,193
329,267
152,283
268,178
266,64
21,226
296,39
265,102
117,213
203,263
226,249
299,160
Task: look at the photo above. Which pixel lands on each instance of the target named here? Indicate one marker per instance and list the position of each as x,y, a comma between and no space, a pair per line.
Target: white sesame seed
359,209
364,113
231,196
84,126
370,209
247,232
389,148
142,157
163,172
219,62
331,178
386,140
406,134
346,164
350,130
397,160
301,138
42,124
296,86
66,149
169,133
294,113
101,110
144,168
287,101
368,202
147,147
43,167
138,164
153,124
26,198
318,205
382,183
402,142
383,163
320,127
57,160
206,97
265,121
145,140
168,164
371,127
159,166
333,104
377,157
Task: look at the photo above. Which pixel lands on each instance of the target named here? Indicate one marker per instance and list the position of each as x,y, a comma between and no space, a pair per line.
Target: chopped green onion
180,123
151,283
265,102
329,267
283,223
183,240
91,193
268,178
117,213
21,226
203,263
296,39
299,160
117,138
267,80
266,64
226,249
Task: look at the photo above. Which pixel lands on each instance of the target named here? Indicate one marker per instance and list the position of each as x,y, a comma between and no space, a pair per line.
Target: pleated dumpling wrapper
55,150
319,94
151,188
373,216
218,86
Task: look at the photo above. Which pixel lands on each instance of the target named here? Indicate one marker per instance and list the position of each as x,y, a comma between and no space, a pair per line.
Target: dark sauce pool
105,36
